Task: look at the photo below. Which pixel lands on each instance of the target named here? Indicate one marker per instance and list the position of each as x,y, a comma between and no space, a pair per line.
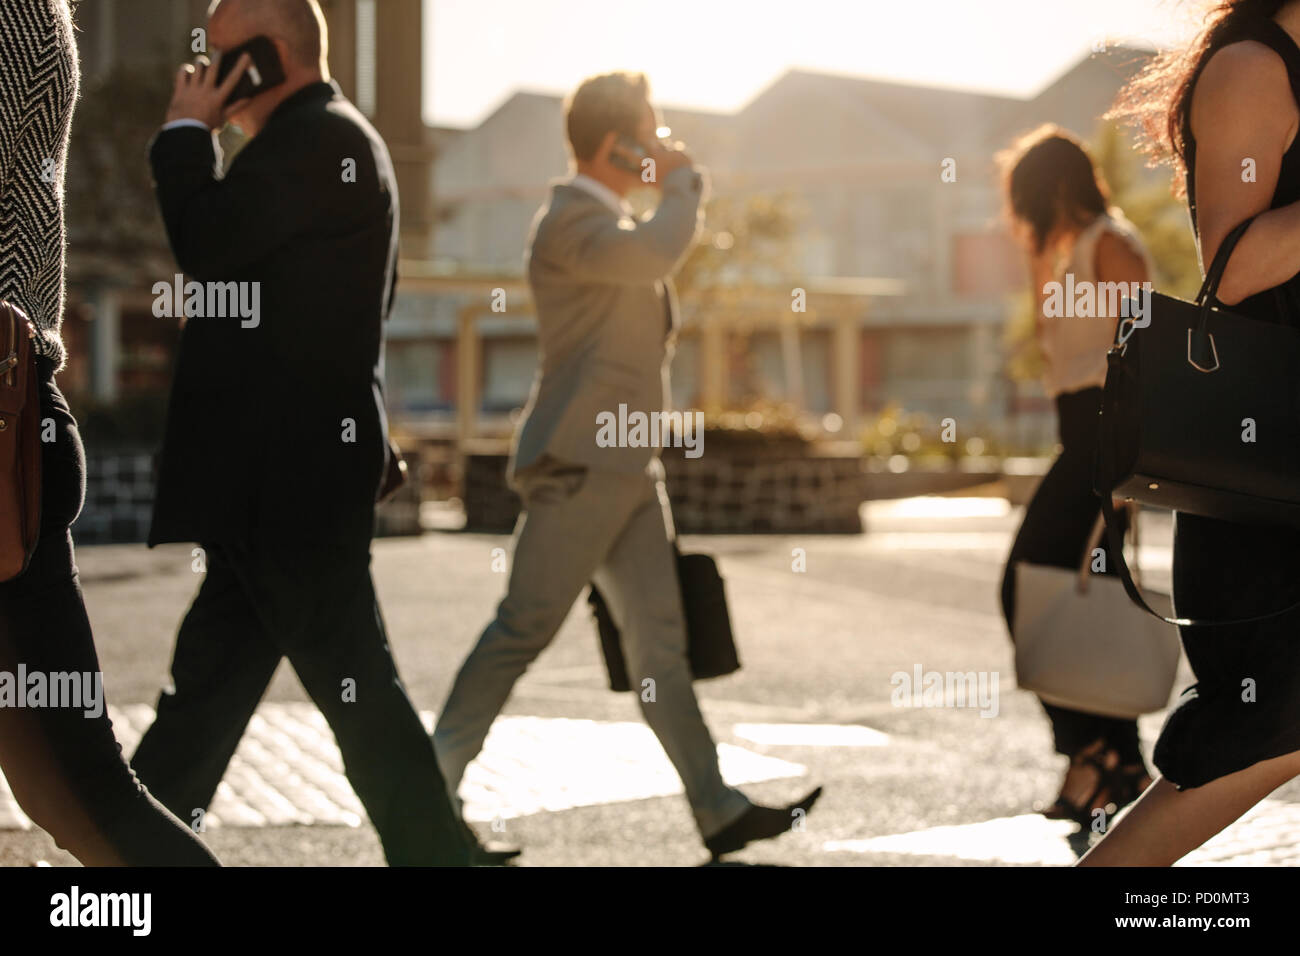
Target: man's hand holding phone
668,157
198,96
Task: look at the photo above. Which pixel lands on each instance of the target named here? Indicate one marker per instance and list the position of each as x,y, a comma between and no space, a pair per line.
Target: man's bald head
299,24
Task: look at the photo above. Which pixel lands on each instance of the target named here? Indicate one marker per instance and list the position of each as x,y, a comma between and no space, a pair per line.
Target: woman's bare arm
1244,118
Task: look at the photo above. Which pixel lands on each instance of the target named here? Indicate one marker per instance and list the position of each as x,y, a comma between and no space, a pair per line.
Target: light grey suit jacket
606,316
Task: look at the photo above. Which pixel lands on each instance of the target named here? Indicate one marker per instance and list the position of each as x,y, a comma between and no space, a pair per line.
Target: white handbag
1081,644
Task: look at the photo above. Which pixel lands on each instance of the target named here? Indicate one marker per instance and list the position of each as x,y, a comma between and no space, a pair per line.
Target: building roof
936,116
1078,97
831,119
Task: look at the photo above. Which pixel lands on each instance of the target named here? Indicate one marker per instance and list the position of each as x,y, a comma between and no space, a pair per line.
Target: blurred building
907,275
129,51
862,160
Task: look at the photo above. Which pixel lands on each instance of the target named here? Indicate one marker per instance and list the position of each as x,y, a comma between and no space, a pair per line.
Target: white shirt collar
602,192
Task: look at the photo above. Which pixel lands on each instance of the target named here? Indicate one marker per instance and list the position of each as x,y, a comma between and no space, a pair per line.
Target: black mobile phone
263,73
627,163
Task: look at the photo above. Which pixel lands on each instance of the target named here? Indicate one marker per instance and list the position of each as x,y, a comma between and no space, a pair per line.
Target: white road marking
1268,835
937,506
287,770
811,735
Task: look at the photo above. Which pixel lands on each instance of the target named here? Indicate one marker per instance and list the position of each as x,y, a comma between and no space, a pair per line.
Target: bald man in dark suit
276,438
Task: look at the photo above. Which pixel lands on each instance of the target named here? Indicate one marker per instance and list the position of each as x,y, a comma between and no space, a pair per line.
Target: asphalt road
820,647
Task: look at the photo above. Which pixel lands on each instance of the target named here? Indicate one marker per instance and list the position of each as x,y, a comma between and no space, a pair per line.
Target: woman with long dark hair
63,763
1225,113
1060,213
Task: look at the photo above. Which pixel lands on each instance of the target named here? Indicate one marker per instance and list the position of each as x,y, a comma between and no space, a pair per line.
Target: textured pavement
572,773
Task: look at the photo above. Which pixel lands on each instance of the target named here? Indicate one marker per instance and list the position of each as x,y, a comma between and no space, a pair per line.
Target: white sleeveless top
1074,348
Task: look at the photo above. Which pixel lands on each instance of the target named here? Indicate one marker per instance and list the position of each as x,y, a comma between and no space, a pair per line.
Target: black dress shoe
757,823
493,854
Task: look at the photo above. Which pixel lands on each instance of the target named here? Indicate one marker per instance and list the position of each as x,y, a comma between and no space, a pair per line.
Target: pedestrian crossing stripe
288,771
1265,836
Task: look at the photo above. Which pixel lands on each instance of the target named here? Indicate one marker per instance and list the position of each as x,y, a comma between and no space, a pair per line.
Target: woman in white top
1075,242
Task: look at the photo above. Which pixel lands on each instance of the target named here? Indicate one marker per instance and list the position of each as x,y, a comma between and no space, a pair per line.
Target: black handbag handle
1214,275
1116,543
1200,345
1201,352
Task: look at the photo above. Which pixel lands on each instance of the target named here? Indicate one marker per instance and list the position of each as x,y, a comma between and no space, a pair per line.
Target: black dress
1057,525
1245,704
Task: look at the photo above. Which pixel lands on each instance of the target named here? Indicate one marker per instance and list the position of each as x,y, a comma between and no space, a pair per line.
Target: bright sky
718,54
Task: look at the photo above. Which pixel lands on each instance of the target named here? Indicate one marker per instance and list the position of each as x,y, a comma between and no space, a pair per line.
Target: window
414,375
509,365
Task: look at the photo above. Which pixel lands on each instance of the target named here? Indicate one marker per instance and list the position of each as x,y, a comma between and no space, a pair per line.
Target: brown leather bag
20,443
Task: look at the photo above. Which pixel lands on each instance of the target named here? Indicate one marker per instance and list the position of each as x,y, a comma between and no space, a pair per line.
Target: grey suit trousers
579,525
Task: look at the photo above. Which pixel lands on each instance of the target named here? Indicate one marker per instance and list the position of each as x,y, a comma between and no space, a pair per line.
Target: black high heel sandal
1121,785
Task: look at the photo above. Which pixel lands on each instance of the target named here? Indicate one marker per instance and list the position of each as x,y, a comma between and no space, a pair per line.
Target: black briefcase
710,643
1181,394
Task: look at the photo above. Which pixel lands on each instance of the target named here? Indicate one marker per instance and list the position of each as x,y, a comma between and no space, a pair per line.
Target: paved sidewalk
288,770
571,771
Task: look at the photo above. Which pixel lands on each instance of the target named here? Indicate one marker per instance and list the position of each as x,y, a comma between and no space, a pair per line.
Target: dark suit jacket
257,427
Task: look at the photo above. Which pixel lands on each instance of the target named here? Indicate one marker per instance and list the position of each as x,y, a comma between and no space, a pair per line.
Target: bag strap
1116,545
9,343
1095,540
1105,481
1214,275
1126,577
1201,353
17,352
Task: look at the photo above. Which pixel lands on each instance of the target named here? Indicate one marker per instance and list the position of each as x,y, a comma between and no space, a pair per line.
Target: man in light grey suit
607,318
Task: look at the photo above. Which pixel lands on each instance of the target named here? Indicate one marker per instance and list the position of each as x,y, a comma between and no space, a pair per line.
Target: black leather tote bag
1201,414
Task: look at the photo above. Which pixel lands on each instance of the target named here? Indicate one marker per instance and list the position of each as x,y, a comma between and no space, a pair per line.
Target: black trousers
317,607
66,768
1055,531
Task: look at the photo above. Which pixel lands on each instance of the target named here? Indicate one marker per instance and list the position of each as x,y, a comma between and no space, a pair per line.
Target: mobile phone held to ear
627,155
263,73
